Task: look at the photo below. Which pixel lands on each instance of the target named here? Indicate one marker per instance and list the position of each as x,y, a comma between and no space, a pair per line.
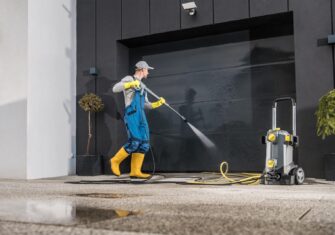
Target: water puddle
59,212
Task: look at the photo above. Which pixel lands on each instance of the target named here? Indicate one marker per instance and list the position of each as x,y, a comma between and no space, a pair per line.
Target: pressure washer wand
167,105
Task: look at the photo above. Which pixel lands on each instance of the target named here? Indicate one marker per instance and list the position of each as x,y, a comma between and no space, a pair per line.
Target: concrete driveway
98,205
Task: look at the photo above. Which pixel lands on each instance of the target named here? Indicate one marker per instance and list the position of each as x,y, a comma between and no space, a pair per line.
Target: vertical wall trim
95,38
213,18
249,8
288,5
332,30
121,19
332,16
149,16
179,14
95,129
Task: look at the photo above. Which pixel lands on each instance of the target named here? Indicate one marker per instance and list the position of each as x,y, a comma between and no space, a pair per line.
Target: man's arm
120,86
153,105
147,103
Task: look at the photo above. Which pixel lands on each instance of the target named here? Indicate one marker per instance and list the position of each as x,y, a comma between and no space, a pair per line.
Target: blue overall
136,124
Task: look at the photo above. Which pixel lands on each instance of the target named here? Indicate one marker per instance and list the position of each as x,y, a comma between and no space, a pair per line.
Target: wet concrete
52,206
156,179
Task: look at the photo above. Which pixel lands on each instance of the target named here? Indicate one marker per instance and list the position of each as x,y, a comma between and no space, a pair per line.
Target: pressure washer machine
279,165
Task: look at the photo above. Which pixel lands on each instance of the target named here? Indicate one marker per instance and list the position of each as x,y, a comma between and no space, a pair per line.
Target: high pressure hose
229,178
166,104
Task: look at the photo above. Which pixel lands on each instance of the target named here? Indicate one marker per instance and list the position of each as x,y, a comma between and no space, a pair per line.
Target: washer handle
294,110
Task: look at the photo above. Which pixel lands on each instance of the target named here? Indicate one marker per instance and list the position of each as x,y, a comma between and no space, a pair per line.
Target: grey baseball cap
143,65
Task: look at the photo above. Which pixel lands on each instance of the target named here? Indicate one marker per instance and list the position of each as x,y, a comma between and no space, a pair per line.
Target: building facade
221,68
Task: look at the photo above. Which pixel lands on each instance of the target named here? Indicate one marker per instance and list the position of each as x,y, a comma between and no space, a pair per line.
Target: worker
135,97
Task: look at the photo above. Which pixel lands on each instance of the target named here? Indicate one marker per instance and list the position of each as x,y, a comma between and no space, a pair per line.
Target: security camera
190,7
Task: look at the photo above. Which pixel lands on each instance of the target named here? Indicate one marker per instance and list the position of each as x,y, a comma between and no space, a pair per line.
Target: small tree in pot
326,127
90,103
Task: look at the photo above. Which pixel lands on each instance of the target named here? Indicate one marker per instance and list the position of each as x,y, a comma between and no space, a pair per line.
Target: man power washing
136,100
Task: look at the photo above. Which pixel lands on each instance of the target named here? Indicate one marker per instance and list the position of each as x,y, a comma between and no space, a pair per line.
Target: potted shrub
326,127
90,164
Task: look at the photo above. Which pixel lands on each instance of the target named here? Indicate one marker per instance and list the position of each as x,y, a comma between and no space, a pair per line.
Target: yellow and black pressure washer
279,165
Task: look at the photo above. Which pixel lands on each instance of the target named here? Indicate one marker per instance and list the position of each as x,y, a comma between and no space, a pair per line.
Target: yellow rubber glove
134,84
158,103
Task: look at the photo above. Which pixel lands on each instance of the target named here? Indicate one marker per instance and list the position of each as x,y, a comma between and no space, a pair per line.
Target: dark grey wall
158,17
102,23
108,30
314,76
228,10
267,7
135,18
86,58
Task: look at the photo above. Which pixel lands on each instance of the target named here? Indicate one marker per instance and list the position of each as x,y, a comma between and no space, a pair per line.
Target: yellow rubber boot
136,166
117,159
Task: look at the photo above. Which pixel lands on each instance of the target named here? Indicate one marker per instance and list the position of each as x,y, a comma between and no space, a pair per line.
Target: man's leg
117,159
137,159
134,140
130,147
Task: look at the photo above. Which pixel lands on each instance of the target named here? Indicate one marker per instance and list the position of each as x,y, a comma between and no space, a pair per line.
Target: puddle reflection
55,212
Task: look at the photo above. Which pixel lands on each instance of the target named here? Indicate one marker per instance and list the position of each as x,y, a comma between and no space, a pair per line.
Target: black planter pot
88,165
329,166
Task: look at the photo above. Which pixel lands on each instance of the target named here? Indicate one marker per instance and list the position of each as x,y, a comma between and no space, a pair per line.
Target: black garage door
225,87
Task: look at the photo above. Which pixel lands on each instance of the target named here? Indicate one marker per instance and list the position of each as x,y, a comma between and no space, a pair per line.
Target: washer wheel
299,176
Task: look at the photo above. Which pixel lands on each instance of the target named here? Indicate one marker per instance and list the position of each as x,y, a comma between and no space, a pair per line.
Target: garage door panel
226,91
189,61
187,154
222,56
273,80
202,86
224,85
238,142
242,151
220,117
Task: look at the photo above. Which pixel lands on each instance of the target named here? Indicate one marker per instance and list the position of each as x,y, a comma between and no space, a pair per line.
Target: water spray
206,141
